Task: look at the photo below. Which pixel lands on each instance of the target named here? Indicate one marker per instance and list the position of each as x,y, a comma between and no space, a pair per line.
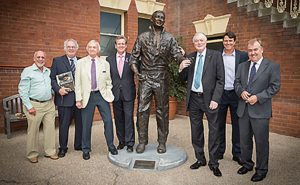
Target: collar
203,53
232,54
124,55
152,29
74,58
259,62
36,68
90,58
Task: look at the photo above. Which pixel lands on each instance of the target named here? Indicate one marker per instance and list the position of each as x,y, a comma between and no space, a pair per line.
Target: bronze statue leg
145,94
161,95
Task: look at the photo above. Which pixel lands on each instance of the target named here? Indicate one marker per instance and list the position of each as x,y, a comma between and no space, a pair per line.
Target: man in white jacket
93,88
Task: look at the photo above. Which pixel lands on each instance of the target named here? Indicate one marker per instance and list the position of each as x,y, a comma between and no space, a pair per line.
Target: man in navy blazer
256,82
232,58
205,84
64,99
125,92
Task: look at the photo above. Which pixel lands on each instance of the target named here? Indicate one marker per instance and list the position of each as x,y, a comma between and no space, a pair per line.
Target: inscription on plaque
142,164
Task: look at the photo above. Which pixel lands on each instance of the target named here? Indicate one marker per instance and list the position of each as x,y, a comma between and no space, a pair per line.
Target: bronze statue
149,61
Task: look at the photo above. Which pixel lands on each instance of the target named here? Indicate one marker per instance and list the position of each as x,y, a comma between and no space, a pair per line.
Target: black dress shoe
120,146
113,151
129,148
243,170
220,156
216,171
140,148
161,148
258,177
197,164
86,155
238,160
62,153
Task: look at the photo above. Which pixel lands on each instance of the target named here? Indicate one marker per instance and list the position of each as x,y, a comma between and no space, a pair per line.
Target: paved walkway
284,163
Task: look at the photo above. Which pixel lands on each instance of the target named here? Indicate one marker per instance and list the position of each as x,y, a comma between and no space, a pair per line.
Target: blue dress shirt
229,66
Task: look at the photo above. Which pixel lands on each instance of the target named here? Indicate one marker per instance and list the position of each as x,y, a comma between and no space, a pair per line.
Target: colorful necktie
93,74
198,73
120,65
252,74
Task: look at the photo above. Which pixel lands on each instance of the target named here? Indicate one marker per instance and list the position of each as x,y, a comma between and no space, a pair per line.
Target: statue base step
150,160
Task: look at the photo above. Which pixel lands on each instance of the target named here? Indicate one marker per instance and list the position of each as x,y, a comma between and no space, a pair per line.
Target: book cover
66,80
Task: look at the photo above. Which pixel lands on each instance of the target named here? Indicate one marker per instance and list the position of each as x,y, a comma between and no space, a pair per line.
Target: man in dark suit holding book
65,99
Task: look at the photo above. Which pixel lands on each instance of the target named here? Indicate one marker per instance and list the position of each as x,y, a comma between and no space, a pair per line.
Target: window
215,43
110,28
143,25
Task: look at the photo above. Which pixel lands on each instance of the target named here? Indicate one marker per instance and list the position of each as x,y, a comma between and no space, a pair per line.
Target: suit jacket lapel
114,65
126,65
237,59
67,63
262,67
192,67
193,63
246,72
206,61
87,64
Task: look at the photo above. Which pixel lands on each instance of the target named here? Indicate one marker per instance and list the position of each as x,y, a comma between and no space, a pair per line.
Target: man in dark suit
64,99
257,81
205,77
232,58
124,92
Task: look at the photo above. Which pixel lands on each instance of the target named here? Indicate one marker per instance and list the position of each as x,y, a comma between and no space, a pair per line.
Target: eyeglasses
71,47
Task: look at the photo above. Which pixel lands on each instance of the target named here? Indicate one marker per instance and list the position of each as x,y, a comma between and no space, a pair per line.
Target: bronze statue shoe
161,148
140,148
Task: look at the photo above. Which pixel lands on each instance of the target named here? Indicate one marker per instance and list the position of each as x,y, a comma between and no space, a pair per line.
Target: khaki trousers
45,112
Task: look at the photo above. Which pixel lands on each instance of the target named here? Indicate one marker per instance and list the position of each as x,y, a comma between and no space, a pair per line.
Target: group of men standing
97,82
215,81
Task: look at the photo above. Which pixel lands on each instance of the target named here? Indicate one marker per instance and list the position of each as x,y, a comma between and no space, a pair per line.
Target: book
66,80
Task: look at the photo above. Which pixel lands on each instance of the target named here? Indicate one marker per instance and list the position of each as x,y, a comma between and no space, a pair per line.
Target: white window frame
122,23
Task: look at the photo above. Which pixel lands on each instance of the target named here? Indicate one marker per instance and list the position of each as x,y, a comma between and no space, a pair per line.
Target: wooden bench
13,112
12,105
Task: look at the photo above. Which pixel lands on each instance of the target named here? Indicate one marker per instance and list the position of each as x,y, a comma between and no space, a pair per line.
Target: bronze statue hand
141,77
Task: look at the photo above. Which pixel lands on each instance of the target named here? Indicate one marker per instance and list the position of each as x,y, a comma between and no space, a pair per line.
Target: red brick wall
27,26
280,45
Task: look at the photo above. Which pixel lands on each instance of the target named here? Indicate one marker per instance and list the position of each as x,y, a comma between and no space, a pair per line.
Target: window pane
143,25
216,46
110,23
107,44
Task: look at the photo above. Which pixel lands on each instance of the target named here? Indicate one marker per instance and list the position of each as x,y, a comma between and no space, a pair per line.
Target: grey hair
65,44
201,35
93,42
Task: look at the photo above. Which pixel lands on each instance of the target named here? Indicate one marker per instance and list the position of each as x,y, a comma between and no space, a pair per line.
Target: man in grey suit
256,82
205,77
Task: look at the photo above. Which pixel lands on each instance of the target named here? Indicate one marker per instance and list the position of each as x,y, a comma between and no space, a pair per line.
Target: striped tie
73,68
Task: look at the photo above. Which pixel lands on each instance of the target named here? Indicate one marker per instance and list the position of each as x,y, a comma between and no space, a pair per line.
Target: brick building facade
30,25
